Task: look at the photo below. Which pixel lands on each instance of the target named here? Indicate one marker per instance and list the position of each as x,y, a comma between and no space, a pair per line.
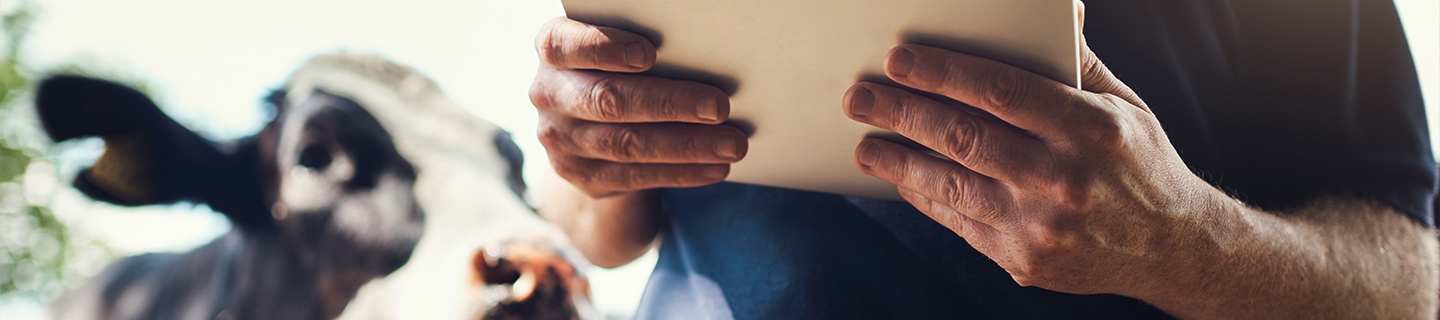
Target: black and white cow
370,196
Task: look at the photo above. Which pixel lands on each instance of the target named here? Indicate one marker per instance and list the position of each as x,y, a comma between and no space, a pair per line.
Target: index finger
628,98
1021,98
570,44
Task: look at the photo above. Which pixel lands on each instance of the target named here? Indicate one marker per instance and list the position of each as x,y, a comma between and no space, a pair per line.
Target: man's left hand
1077,191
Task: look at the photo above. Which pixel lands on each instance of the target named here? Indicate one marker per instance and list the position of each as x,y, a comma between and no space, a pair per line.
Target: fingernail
869,154
901,62
861,102
635,54
716,172
706,109
726,148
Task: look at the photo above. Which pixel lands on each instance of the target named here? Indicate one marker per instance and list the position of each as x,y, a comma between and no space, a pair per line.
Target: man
1277,167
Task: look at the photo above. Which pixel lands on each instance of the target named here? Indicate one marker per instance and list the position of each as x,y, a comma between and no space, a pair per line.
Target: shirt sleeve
1279,102
1336,88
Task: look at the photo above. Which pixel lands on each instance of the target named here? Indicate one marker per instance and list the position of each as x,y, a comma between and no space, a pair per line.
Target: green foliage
38,251
35,269
12,162
17,26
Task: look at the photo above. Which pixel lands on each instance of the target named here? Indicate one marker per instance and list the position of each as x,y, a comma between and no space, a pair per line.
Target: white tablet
788,63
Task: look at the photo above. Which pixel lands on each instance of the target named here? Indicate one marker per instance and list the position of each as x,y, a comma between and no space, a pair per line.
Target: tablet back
788,63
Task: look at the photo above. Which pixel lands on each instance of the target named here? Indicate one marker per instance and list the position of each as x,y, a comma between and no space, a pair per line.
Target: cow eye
315,157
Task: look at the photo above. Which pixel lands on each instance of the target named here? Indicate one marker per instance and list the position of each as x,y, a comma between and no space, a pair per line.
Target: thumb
1094,76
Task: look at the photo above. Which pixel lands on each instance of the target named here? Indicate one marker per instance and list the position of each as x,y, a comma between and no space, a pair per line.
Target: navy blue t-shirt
1277,102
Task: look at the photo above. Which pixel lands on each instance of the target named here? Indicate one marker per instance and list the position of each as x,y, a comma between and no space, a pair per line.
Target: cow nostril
315,157
493,270
530,272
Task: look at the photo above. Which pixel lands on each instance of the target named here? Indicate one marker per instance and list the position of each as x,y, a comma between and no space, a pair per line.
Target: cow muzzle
529,279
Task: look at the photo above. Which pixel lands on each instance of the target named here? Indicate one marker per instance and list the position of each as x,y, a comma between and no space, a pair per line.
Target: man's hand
1087,184
1080,191
610,133
611,136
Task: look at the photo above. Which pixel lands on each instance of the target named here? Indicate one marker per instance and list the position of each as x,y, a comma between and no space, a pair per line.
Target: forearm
1333,259
609,231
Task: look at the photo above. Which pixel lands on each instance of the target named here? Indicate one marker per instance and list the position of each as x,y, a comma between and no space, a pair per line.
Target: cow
370,195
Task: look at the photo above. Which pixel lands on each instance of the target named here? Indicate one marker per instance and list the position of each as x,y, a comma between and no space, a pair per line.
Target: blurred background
209,63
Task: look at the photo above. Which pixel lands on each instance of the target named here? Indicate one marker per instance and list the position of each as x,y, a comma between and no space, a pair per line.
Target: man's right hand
612,135
609,132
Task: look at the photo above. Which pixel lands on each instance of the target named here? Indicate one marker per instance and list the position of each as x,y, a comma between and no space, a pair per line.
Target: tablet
788,63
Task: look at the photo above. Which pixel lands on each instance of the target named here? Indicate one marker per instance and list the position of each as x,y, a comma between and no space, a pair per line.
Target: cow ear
149,158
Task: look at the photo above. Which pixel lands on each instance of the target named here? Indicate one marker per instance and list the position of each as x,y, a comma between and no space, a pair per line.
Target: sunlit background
209,62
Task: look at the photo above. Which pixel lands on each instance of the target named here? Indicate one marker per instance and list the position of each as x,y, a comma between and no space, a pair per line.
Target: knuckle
948,218
1033,270
624,144
1074,194
1108,128
635,178
987,210
628,177
906,115
551,50
591,49
658,102
695,147
1002,92
1045,236
572,170
1026,266
681,175
604,98
955,191
905,171
963,138
611,177
550,134
540,95
1043,244
954,74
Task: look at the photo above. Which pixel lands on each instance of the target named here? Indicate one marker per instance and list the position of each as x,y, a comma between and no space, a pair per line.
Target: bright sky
213,60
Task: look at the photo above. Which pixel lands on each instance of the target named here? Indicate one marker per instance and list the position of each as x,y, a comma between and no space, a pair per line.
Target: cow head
335,185
363,158
485,254
323,180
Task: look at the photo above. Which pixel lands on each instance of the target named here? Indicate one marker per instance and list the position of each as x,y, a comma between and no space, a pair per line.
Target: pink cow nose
543,285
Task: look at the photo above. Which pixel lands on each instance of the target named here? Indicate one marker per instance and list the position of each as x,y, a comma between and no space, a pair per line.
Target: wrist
623,226
610,231
1207,238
